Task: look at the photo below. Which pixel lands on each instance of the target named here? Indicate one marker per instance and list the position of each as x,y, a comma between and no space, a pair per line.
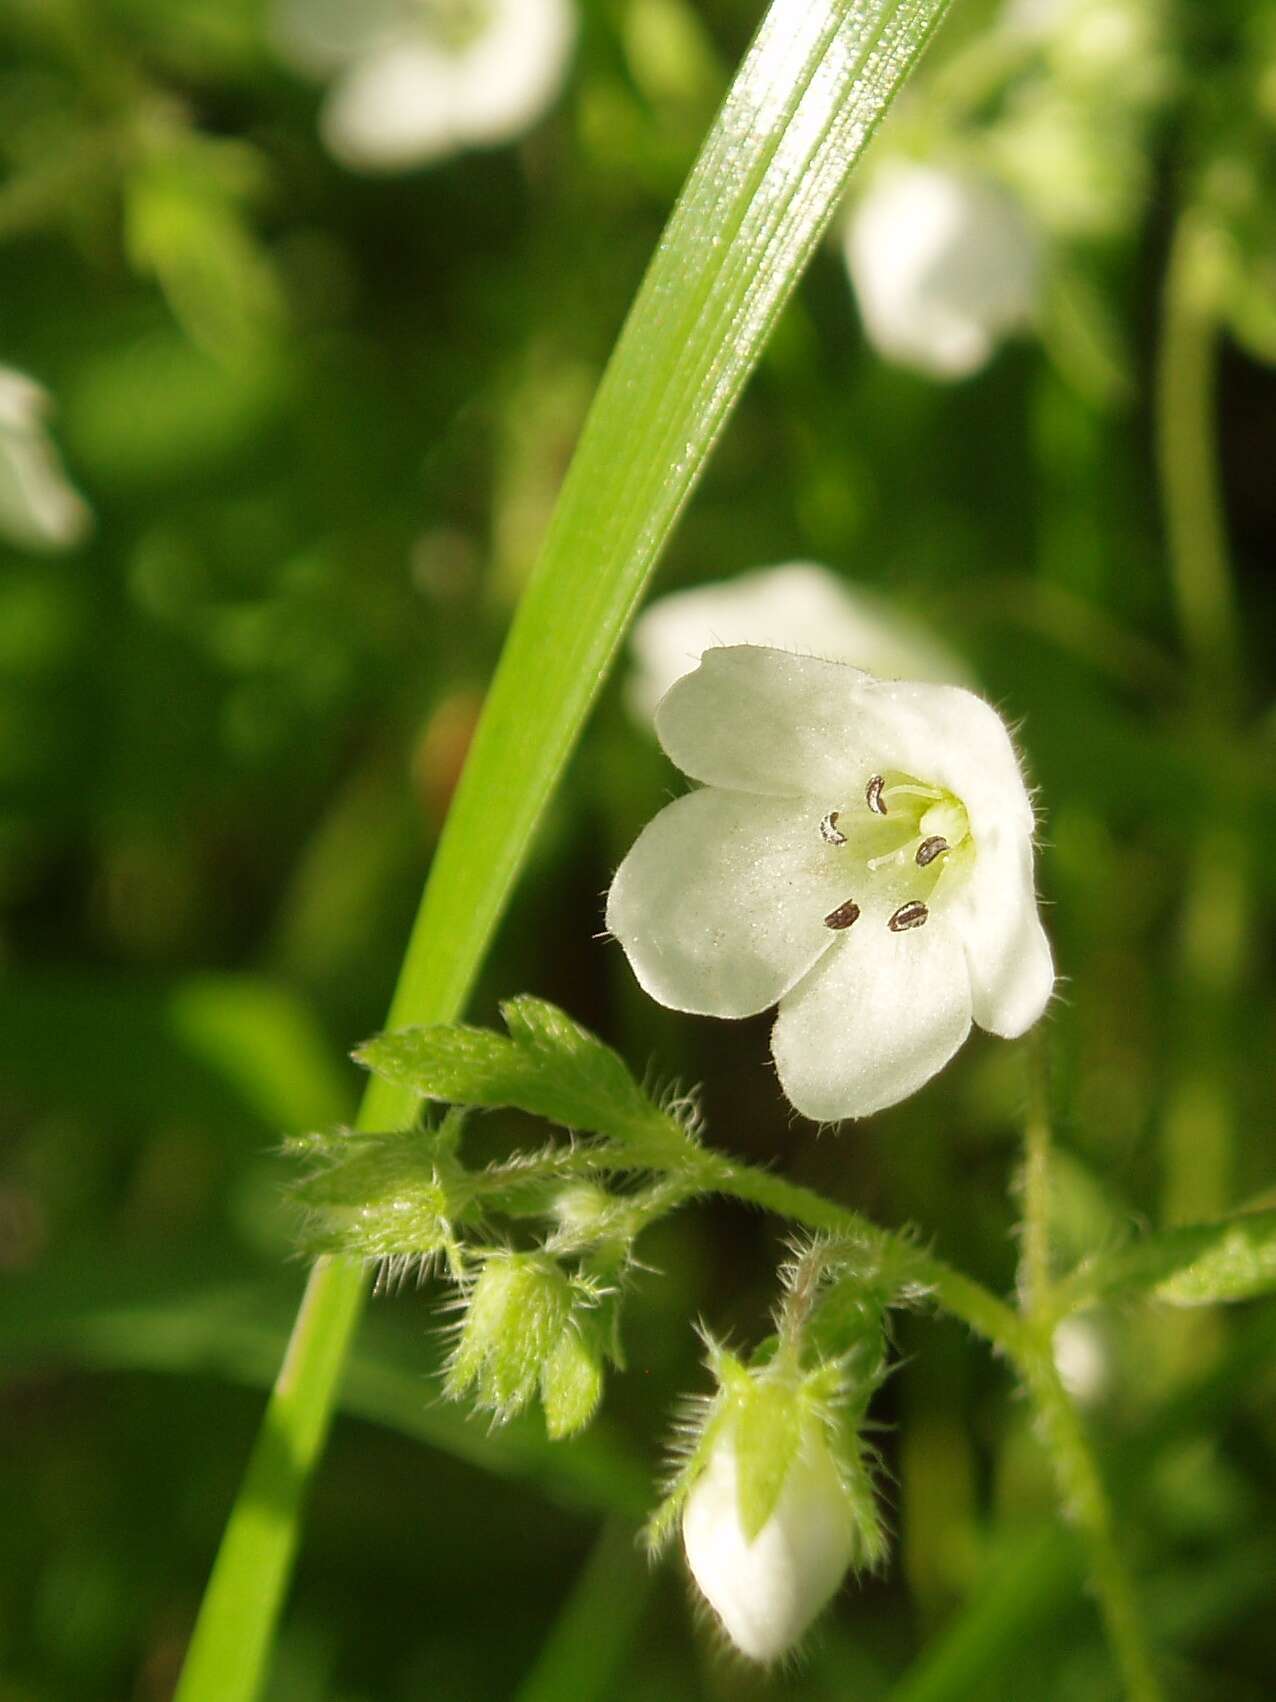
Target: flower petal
950,737
393,109
1008,954
758,720
875,1018
799,607
720,905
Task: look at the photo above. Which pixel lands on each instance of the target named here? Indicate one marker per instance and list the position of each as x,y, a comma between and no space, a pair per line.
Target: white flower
860,851
1081,1359
799,606
419,79
766,1592
39,508
944,265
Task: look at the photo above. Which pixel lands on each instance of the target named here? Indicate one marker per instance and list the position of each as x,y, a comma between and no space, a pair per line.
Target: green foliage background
321,421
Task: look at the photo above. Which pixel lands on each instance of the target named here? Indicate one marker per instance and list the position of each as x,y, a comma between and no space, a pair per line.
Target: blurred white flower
859,851
1081,1359
800,607
944,265
768,1590
39,507
416,80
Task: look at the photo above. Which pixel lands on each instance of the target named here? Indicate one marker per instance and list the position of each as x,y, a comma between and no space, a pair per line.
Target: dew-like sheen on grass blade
813,86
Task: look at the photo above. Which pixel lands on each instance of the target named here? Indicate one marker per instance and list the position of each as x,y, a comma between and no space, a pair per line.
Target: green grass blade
812,88
816,81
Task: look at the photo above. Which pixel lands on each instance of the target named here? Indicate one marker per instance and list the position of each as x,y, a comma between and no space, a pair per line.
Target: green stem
1085,1499
1188,462
1034,1278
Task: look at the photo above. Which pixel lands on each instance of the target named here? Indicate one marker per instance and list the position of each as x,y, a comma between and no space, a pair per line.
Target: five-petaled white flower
39,508
944,265
419,79
797,606
860,851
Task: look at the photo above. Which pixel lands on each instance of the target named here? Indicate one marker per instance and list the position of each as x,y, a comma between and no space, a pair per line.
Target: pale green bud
572,1380
527,1326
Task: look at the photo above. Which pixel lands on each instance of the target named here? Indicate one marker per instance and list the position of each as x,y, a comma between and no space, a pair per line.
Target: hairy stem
1086,1500
1034,1277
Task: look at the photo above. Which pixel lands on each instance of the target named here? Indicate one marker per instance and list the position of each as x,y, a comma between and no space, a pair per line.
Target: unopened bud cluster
527,1327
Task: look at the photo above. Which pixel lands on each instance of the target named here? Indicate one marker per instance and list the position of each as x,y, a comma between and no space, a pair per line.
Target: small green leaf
1240,1265
548,1065
1196,1265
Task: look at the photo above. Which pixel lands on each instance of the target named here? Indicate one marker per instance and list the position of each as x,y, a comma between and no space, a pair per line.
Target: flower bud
514,1315
775,1517
572,1380
528,1326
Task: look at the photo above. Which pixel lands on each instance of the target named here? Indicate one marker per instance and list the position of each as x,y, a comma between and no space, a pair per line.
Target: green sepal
572,1379
768,1420
515,1312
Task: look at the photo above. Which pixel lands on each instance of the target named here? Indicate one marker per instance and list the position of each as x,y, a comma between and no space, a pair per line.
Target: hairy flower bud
773,1493
768,1586
527,1327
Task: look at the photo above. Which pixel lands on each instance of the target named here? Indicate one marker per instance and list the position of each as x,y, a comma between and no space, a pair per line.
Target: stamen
873,795
843,916
910,915
931,848
828,829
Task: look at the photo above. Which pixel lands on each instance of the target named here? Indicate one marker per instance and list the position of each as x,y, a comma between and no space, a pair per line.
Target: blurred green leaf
145,1317
1196,1265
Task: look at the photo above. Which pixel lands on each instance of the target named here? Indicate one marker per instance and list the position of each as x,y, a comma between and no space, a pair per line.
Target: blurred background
301,307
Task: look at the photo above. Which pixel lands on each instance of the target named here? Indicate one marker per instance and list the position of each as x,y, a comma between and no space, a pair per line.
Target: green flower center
903,839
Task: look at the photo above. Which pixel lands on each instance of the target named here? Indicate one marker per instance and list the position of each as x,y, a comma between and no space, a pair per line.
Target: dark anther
910,915
931,848
828,827
873,795
843,916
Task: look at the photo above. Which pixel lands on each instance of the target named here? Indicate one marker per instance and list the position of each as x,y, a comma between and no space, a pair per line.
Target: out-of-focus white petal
800,607
318,37
720,905
39,508
1008,954
393,109
766,1592
944,265
515,68
876,1018
414,96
